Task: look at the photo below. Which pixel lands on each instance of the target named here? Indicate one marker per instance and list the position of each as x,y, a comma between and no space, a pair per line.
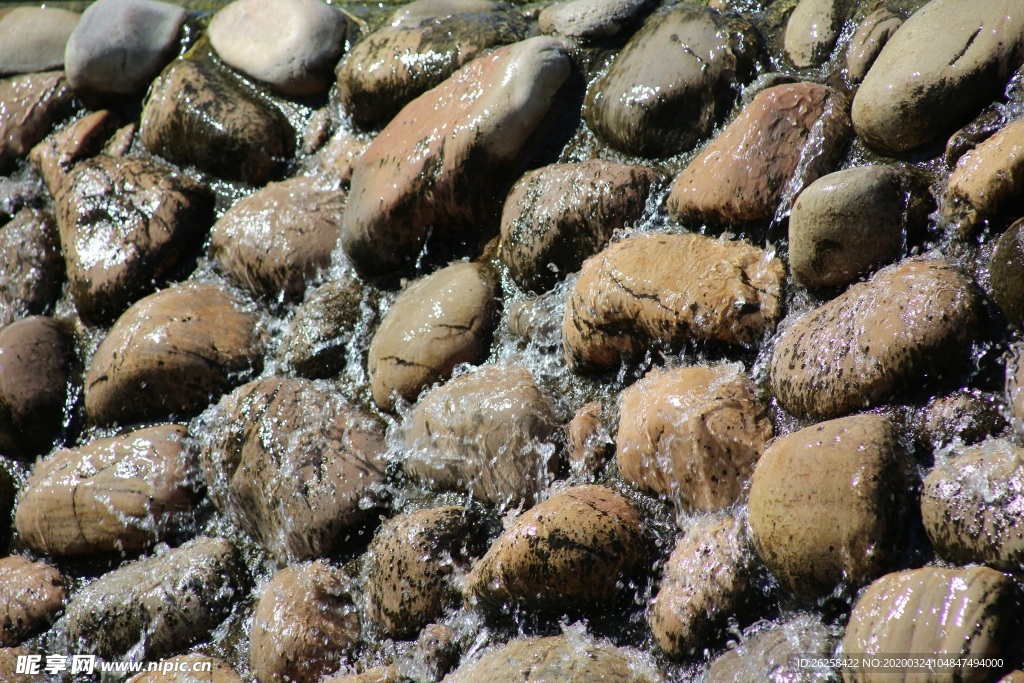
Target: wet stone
37,355
9,657
589,444
17,194
126,225
277,239
871,36
786,138
538,319
378,674
692,434
292,45
435,654
580,552
592,20
31,596
827,504
650,290
54,157
981,128
1015,386
412,565
812,31
305,624
673,81
157,605
912,321
118,494
31,266
199,115
768,654
987,182
186,669
32,104
1006,270
171,353
339,155
559,215
293,463
33,39
440,321
491,432
967,416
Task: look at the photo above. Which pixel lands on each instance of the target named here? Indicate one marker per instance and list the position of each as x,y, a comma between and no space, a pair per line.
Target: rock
786,138
126,225
872,34
812,31
156,605
1006,272
118,494
412,564
37,355
199,115
450,152
32,104
31,266
538,319
652,289
966,415
973,506
304,626
673,81
317,339
435,654
54,157
9,659
119,46
17,194
768,655
589,445
490,432
692,434
428,9
171,354
31,596
559,215
592,20
578,553
417,51
189,669
278,238
969,612
339,156
912,321
846,223
292,462
292,46
33,39
1013,677
987,182
556,659
710,580
826,503
445,319
1015,386
121,142
378,674
920,89
986,124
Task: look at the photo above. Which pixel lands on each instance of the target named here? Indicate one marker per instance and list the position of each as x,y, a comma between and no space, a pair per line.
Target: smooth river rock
32,104
987,182
872,34
1006,272
967,416
57,155
31,265
592,20
589,444
32,594
34,38
912,321
768,654
652,289
692,434
812,31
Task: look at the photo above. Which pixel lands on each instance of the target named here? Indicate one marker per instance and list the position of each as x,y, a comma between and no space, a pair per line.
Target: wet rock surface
32,594
967,416
32,104
769,653
1006,270
592,20
588,443
33,39
872,34
812,31
31,265
189,669
55,156
987,181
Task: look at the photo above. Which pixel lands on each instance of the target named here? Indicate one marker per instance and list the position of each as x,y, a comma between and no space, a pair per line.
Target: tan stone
31,596
872,34
32,104
987,182
189,669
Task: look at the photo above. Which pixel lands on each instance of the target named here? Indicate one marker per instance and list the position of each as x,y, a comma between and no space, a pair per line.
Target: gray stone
33,39
812,31
592,19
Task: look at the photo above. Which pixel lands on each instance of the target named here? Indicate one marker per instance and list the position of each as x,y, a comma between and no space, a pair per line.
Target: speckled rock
673,81
186,669
559,215
668,289
54,157
450,153
920,89
710,579
767,655
846,223
31,596
119,46
412,564
36,354
872,34
987,182
1006,270
33,39
416,51
826,504
592,20
171,354
491,432
32,104
19,193
855,351
812,31
156,605
692,434
968,416
580,552
291,45
445,319
291,461
973,506
278,238
589,444
199,115
126,225
9,665
118,494
31,266
786,138
968,612
305,624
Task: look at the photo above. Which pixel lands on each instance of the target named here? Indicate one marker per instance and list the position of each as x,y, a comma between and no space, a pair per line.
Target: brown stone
31,596
967,416
189,669
589,445
987,182
769,654
31,266
812,31
53,157
32,104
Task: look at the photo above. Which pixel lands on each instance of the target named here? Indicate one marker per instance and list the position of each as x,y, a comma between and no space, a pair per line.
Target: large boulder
34,38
